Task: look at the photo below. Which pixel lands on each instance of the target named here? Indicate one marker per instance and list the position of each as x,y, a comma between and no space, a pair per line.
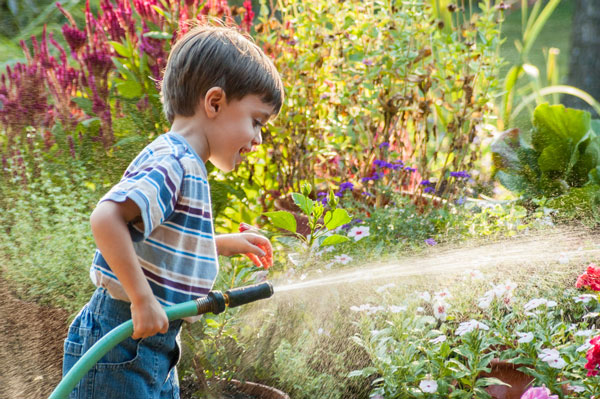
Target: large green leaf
304,203
555,157
282,220
334,239
555,124
337,218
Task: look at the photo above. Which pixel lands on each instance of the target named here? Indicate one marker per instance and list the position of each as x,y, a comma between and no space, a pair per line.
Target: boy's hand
254,246
149,318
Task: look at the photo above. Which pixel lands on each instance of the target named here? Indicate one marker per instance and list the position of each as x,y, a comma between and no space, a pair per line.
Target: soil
31,346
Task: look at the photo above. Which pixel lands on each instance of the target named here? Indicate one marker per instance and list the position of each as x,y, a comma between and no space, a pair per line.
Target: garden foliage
559,159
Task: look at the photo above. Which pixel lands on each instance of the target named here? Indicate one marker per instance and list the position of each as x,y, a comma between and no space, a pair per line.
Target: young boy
154,229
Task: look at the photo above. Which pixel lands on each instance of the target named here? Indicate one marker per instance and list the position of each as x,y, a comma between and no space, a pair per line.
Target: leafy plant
557,159
321,221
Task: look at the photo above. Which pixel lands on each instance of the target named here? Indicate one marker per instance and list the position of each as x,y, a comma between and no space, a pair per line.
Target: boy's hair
217,56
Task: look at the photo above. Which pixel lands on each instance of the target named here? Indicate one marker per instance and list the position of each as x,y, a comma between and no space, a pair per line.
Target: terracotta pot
507,372
259,391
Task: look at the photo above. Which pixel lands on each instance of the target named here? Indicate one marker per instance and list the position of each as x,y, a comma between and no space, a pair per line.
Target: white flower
549,354
367,308
468,326
428,386
320,331
557,363
425,296
396,309
584,298
583,348
525,337
303,277
382,288
420,309
358,232
486,300
577,388
585,333
343,259
534,303
328,266
474,274
563,258
438,340
439,310
442,295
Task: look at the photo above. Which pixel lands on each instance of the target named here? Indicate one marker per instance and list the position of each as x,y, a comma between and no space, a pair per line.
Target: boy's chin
224,166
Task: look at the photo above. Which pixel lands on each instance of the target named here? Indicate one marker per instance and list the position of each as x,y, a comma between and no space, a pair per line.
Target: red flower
590,279
593,357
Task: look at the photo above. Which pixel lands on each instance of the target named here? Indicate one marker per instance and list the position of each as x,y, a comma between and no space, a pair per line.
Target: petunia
538,393
358,232
557,363
343,259
469,326
525,338
549,354
430,241
440,310
438,340
428,386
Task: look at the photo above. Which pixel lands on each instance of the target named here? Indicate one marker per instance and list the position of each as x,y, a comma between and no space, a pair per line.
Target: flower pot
258,391
229,389
508,373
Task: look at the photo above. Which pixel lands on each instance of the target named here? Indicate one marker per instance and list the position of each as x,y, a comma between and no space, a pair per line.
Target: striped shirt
174,241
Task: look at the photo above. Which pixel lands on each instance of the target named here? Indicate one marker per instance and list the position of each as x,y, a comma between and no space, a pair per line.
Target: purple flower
429,190
430,241
365,179
346,187
367,194
409,169
460,175
324,96
538,393
385,144
321,194
377,175
367,62
460,201
425,183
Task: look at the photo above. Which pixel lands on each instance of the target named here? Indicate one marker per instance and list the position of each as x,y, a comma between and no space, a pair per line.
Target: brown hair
217,56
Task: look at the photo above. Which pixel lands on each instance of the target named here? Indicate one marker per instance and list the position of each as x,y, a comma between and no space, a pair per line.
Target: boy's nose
258,139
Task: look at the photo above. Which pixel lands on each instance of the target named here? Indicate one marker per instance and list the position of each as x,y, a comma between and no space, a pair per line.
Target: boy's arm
254,246
109,225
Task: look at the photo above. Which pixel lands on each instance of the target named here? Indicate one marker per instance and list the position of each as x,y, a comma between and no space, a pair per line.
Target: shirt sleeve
154,185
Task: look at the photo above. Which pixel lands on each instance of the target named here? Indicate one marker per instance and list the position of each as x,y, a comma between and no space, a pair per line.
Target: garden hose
215,302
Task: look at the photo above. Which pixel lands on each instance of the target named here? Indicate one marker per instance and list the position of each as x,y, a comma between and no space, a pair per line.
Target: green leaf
123,51
554,124
84,103
334,239
282,220
366,372
158,35
128,88
337,218
555,158
304,203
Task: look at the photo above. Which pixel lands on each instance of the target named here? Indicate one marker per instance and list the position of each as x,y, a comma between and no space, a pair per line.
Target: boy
154,230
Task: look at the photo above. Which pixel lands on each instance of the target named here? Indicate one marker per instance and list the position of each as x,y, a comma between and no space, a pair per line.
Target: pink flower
590,279
538,393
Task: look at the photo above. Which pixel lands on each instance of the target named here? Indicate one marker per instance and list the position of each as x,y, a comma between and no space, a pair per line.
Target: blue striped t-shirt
174,241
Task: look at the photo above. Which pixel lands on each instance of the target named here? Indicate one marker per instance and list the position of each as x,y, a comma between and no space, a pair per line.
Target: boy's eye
257,123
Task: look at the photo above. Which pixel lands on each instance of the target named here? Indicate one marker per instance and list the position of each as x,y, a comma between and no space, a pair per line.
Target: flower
460,175
438,340
430,241
584,298
534,303
358,232
585,333
469,326
583,348
442,295
428,386
385,144
397,309
557,363
524,338
590,279
347,186
549,354
425,296
383,288
439,310
343,259
474,274
538,393
367,308
593,357
563,258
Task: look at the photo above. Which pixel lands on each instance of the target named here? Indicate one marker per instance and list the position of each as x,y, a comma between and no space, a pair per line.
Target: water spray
215,302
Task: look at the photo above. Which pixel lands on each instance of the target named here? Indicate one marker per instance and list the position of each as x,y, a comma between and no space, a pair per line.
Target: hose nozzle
216,301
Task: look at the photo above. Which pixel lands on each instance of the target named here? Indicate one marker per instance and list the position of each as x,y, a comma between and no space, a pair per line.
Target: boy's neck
191,129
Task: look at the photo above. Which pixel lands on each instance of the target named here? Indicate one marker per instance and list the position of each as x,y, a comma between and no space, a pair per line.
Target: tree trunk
584,62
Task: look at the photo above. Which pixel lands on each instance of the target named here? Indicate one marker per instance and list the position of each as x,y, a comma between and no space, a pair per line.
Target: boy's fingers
254,259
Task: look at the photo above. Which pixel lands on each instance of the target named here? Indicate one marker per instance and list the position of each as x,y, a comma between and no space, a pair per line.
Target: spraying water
557,246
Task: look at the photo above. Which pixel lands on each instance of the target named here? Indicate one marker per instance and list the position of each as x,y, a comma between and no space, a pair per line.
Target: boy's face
236,129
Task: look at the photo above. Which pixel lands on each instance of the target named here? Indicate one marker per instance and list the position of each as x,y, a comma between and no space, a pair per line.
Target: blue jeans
143,369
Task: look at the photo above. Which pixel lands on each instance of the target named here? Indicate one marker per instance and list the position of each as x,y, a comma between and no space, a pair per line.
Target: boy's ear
214,100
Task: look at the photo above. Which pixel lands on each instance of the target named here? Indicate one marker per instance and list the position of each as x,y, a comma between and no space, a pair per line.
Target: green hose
215,302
